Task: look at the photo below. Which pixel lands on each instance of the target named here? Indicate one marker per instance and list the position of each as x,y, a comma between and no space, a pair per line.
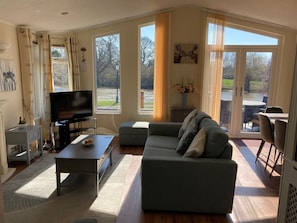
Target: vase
184,99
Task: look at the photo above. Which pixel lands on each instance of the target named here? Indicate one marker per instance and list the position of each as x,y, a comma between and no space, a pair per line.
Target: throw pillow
187,137
216,140
186,122
196,147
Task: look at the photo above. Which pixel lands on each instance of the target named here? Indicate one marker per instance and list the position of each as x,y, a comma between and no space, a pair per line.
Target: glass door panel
229,67
255,88
244,91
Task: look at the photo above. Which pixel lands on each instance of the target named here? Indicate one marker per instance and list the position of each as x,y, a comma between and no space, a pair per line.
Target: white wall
12,109
129,71
182,32
186,27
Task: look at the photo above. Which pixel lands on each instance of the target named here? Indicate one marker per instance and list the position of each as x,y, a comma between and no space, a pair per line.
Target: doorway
245,89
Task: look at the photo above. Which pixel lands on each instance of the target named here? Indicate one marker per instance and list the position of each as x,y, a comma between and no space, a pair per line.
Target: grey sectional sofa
173,182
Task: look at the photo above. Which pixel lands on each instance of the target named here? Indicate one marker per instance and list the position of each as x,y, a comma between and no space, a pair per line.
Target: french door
245,89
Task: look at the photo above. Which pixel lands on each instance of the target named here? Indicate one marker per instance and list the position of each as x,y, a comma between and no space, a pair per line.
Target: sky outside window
240,37
148,31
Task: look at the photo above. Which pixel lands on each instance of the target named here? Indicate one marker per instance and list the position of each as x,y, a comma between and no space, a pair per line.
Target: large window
107,60
248,63
147,61
61,79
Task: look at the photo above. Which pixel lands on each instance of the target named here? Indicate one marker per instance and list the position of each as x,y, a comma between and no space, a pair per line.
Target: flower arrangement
184,87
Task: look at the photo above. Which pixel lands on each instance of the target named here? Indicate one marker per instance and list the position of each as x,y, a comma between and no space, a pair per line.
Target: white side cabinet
23,137
287,211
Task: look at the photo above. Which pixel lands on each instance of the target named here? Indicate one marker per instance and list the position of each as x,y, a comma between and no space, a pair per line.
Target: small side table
178,114
23,136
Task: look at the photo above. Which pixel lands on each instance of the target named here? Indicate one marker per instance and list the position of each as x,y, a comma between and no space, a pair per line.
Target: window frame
143,111
117,67
65,61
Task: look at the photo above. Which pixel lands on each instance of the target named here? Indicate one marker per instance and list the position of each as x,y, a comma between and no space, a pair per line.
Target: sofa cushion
196,148
186,122
165,154
200,116
187,137
167,142
216,139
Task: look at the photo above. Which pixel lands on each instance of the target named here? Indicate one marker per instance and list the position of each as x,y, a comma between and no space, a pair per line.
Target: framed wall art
7,75
186,53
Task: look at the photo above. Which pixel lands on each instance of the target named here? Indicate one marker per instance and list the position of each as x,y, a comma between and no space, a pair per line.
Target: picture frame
185,54
7,75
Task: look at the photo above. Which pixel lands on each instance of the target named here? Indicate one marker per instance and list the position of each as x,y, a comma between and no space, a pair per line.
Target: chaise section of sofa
173,182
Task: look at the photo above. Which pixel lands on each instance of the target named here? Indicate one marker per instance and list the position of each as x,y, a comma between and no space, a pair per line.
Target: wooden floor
256,194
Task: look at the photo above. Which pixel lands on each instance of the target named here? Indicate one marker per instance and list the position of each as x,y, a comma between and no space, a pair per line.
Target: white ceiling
45,15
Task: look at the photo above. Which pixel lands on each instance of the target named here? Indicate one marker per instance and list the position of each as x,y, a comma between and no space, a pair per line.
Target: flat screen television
71,105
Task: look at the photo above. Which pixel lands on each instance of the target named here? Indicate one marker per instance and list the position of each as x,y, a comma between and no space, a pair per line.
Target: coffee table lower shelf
98,175
82,163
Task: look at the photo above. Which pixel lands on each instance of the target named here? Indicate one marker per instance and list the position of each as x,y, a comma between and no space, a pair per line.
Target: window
147,61
62,80
247,69
107,62
235,37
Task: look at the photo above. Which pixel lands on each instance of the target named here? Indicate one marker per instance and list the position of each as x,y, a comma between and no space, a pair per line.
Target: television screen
71,105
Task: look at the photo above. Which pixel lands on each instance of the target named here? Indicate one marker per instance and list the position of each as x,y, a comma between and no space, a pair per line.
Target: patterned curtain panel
45,70
72,49
25,51
161,67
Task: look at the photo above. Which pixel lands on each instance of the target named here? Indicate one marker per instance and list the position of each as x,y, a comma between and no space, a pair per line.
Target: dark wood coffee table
86,159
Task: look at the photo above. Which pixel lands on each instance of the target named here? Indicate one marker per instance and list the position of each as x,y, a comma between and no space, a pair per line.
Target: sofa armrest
164,128
185,184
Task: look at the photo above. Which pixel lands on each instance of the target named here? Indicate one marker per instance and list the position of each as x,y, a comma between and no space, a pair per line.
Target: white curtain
72,50
45,74
45,71
213,67
26,64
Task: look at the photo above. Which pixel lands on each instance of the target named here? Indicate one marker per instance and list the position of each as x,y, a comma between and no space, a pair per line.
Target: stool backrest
274,109
266,129
280,128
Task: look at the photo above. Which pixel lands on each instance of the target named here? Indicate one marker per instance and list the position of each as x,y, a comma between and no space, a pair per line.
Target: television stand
65,130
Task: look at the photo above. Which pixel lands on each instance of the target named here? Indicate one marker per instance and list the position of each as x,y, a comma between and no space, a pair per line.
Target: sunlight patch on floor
42,186
110,192
251,193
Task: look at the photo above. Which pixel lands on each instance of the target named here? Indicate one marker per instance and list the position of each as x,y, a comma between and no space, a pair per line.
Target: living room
187,26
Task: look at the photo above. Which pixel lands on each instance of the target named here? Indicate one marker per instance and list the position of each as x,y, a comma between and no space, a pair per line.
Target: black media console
65,131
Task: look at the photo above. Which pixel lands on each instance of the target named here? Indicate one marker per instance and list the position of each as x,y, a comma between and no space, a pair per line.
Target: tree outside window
107,57
60,68
147,61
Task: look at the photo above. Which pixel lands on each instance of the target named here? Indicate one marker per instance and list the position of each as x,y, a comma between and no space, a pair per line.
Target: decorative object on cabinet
178,114
184,89
184,99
